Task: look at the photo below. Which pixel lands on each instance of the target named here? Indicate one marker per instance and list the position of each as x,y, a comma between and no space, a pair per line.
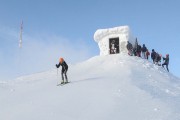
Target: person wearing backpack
129,48
63,70
158,59
166,62
139,50
153,55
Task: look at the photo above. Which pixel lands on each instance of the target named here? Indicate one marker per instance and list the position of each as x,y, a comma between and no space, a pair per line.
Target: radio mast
21,30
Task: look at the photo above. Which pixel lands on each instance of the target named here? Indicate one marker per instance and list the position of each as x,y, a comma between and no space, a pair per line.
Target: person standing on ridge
147,54
153,55
129,48
166,62
144,49
63,70
139,50
158,59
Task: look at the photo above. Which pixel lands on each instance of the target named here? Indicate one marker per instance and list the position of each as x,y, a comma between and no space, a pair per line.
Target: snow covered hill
112,87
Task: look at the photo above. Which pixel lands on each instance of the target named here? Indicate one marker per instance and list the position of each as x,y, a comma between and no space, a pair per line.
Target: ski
61,84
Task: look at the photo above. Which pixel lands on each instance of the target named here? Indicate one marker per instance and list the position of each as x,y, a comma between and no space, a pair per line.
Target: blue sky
54,28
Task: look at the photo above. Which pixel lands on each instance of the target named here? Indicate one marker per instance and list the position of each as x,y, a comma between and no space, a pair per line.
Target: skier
63,70
166,62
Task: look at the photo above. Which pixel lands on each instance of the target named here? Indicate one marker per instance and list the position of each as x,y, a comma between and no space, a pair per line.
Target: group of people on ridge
137,50
144,53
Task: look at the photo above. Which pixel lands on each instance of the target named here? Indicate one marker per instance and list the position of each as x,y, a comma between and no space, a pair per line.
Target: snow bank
116,87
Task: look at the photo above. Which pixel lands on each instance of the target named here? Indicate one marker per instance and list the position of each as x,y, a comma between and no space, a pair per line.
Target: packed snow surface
112,87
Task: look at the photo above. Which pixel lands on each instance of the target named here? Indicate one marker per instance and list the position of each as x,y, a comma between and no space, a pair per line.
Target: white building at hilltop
113,40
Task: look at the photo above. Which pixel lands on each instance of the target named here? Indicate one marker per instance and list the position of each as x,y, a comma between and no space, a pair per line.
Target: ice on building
113,40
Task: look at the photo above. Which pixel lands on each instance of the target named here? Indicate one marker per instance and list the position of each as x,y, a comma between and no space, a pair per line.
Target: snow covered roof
101,33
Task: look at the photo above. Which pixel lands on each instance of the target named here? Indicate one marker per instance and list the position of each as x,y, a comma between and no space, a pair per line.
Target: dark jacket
64,66
129,46
166,60
153,55
157,57
139,48
144,49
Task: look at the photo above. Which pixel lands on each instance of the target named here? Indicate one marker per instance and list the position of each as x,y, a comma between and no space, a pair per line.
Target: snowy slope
113,87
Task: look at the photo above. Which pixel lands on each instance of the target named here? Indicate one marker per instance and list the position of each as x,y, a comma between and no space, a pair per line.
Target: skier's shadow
86,79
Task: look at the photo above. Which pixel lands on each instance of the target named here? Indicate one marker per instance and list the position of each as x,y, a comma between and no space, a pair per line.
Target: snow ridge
102,88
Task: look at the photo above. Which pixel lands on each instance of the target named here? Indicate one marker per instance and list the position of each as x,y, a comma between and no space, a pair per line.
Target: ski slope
112,87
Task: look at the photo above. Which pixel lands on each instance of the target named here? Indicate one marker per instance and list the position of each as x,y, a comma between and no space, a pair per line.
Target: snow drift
112,87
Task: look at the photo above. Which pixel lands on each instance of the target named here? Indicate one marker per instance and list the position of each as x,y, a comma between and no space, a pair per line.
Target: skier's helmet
61,60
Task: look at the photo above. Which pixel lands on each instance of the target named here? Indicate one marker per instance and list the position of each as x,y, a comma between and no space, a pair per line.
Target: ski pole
57,75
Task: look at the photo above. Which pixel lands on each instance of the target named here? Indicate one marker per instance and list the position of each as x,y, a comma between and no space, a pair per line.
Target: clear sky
54,28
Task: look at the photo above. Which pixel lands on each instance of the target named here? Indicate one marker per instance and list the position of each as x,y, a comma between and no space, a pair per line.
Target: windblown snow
112,87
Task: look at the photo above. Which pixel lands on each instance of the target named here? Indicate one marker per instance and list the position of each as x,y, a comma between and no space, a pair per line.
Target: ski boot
66,82
62,82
